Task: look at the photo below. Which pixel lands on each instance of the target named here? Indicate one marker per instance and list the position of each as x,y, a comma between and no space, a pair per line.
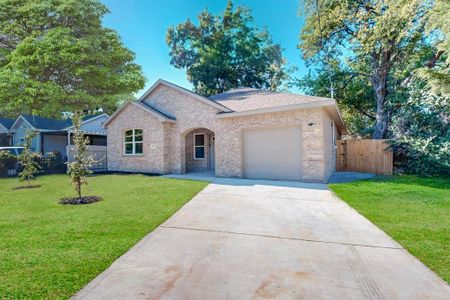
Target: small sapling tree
27,159
83,162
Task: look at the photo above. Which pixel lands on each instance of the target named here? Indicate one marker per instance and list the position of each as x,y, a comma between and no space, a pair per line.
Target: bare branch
432,62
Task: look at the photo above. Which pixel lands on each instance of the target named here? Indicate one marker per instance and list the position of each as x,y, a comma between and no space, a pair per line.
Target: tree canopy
369,39
56,56
437,70
226,51
390,66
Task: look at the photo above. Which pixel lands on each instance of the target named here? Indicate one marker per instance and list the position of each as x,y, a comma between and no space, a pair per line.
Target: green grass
50,251
414,211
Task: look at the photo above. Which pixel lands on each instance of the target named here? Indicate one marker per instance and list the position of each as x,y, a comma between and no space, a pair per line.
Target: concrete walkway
248,239
204,176
342,177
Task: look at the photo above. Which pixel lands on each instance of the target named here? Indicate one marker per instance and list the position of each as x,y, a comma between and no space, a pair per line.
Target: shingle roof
88,117
52,124
7,123
45,123
244,99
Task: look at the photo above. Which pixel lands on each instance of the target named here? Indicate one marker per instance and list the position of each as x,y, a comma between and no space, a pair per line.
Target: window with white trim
199,146
133,142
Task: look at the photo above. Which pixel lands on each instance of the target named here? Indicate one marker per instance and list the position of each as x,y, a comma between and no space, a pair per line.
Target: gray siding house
52,135
6,138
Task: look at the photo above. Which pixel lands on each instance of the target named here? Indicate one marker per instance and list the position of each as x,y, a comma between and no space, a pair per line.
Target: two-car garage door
272,153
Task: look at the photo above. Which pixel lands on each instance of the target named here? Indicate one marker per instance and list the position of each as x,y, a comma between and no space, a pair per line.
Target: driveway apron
256,239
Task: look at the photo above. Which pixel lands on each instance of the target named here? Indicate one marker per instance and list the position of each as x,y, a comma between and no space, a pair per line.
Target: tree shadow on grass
25,187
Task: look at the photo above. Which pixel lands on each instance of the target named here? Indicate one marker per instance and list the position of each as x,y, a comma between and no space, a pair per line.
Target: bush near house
8,162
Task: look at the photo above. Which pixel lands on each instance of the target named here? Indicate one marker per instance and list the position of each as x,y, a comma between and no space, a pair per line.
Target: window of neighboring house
133,142
199,146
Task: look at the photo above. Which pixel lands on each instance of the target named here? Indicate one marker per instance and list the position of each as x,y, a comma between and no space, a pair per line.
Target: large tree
226,51
370,39
354,91
56,56
437,70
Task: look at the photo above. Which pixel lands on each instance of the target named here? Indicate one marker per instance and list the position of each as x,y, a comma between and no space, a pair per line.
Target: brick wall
167,147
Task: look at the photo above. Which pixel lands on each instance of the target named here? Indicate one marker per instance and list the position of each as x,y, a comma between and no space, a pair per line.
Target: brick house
245,133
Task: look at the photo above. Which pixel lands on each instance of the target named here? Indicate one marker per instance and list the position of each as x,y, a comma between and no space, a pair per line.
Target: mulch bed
23,187
82,200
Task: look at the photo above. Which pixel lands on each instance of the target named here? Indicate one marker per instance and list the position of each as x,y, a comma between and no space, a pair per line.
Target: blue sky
142,24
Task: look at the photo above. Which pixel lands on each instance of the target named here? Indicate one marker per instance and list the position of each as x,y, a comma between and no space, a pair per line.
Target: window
199,146
133,143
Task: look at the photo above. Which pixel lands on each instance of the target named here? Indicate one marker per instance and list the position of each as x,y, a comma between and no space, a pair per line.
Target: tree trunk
379,83
79,188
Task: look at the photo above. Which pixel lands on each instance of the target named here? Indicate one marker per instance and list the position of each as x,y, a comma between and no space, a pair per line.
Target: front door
212,152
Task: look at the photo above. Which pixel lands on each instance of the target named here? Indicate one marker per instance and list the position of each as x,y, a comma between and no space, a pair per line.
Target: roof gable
161,116
88,119
180,89
20,120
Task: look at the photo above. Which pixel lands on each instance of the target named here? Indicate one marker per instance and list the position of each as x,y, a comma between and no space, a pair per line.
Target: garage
272,153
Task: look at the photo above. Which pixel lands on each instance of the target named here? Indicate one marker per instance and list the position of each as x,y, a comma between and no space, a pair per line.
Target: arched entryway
199,151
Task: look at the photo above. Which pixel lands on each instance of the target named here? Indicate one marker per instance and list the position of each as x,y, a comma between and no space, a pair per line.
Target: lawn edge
402,247
102,274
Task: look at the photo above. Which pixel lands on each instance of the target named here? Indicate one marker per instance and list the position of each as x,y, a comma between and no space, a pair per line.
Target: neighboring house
53,135
93,128
246,133
6,138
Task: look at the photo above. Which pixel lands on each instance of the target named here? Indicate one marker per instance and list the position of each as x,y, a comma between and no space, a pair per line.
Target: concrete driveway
245,239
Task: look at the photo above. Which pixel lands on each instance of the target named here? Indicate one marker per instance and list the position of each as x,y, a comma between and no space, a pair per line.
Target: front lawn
414,211
50,251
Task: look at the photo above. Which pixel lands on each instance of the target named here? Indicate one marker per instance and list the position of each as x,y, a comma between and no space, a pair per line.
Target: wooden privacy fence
371,156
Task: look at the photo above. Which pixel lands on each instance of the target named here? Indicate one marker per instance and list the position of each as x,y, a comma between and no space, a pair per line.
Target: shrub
421,130
423,156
